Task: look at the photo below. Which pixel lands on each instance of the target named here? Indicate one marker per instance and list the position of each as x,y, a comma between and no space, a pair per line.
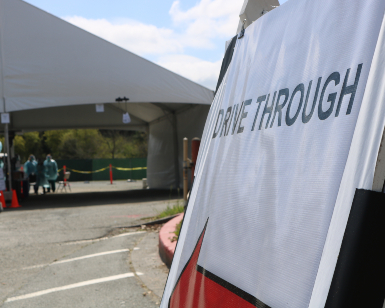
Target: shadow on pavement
94,198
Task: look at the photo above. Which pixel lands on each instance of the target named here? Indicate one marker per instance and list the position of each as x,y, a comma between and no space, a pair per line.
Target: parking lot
70,250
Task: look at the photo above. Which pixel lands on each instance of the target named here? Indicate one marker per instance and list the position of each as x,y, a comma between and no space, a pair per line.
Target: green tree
136,145
19,143
114,144
30,143
33,145
54,139
80,144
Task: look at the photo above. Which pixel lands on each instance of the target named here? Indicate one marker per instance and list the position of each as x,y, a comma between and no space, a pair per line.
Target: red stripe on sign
198,288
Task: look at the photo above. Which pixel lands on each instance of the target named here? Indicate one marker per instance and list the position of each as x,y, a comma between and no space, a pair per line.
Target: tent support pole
176,149
9,178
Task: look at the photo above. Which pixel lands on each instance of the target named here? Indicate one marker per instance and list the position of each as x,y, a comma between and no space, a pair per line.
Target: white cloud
198,70
197,27
209,18
137,37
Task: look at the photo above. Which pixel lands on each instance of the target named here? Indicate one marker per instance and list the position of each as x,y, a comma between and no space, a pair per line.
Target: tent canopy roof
46,62
84,116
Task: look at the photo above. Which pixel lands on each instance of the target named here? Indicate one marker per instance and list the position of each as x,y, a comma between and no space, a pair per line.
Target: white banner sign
126,118
99,107
5,118
285,146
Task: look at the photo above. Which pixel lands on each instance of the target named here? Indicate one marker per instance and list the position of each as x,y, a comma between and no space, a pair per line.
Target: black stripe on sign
359,276
226,61
232,288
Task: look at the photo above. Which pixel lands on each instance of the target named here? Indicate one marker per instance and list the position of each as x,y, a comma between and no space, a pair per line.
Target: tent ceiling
48,62
85,116
52,74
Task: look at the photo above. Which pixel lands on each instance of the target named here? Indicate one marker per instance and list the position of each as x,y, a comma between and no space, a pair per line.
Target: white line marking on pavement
34,266
129,233
91,256
72,286
78,258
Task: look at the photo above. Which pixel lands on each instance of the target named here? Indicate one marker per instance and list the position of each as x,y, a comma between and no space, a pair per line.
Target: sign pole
64,176
111,174
195,143
8,157
185,166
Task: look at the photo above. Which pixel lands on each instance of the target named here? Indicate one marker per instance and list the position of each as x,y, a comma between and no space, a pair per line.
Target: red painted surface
194,290
166,233
64,172
2,200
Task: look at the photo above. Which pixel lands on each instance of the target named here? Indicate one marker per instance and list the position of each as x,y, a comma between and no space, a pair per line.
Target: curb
154,222
166,247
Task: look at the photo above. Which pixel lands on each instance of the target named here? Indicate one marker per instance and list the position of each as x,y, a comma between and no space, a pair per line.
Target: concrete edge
166,247
154,222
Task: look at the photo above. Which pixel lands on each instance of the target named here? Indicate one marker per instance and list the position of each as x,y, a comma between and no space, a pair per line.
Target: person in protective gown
41,176
2,178
51,172
30,169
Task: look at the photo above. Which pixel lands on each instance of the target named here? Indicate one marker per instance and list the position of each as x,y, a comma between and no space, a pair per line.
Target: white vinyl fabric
52,74
359,169
275,179
48,62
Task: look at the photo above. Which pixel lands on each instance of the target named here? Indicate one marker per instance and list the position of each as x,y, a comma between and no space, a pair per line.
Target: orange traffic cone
15,203
2,200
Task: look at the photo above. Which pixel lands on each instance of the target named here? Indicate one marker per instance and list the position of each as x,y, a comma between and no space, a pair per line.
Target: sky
184,36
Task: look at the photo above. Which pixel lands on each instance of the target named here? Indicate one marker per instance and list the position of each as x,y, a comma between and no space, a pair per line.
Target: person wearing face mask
30,169
41,179
2,178
51,172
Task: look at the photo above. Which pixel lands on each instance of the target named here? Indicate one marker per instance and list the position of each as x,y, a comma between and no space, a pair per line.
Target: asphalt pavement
71,250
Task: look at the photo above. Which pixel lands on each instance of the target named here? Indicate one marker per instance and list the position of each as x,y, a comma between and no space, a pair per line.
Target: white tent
53,73
253,9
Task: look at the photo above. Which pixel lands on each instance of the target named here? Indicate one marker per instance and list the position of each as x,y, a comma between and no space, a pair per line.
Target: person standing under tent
30,169
2,175
41,179
51,172
2,178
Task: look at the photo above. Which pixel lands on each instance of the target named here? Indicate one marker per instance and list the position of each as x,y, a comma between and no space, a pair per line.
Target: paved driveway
65,251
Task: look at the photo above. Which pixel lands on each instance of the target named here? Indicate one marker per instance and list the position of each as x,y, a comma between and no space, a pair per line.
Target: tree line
81,144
